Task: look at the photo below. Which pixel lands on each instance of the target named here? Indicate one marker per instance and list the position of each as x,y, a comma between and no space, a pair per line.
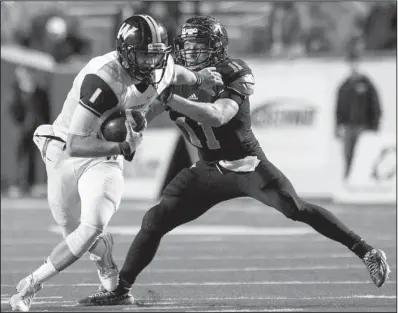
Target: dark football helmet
207,31
142,47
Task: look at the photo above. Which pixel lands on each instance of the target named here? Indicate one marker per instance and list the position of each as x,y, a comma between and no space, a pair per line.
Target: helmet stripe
156,28
151,27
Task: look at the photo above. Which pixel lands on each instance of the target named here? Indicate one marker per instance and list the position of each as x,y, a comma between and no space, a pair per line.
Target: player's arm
205,79
156,108
96,97
222,110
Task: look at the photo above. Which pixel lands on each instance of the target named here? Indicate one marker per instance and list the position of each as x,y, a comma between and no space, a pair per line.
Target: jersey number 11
211,140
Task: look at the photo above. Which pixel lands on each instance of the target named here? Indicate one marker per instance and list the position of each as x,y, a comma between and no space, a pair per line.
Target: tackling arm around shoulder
222,110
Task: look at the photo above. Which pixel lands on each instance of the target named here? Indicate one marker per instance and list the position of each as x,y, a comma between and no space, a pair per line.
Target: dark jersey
233,140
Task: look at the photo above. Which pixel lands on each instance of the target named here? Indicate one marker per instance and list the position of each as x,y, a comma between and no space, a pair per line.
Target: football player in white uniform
84,172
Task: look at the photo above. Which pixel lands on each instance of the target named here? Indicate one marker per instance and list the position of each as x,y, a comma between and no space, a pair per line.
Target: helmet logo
189,31
125,31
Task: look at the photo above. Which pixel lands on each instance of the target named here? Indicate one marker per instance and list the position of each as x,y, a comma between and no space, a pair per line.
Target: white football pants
80,190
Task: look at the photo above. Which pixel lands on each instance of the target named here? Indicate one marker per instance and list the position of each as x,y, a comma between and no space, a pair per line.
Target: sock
141,252
61,257
123,287
361,248
45,272
98,248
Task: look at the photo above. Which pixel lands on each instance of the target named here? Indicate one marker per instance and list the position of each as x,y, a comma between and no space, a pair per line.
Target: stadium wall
292,112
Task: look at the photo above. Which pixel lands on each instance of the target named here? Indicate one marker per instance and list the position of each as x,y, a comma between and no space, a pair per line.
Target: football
114,129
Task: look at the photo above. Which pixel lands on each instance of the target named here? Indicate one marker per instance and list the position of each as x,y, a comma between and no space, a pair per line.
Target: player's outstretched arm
210,114
205,79
222,110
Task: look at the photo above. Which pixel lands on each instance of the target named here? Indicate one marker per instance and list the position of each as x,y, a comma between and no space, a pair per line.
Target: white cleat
26,288
376,263
107,270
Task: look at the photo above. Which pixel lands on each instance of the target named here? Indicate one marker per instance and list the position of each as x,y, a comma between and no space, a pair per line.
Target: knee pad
80,240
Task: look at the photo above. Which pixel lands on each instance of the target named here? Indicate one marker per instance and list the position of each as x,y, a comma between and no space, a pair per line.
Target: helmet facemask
142,63
210,53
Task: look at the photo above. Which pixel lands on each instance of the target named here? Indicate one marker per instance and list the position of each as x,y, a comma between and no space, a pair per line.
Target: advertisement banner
145,175
372,178
293,115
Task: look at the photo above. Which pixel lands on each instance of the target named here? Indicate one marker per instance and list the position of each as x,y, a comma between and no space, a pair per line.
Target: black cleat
107,298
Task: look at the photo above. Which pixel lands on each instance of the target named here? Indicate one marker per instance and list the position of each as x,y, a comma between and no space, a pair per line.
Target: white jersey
103,86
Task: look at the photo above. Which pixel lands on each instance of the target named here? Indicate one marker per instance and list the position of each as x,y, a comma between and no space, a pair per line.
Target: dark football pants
195,190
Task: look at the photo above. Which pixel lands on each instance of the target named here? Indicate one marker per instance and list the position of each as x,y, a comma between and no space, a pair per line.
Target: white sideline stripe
36,298
42,204
212,230
221,283
141,205
208,257
222,270
254,310
202,258
44,302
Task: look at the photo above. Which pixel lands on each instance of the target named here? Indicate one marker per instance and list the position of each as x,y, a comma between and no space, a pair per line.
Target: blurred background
329,66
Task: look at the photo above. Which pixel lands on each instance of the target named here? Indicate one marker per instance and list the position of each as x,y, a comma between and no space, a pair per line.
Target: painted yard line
37,298
212,257
12,241
282,298
223,283
230,309
174,301
203,257
230,230
250,206
44,302
221,270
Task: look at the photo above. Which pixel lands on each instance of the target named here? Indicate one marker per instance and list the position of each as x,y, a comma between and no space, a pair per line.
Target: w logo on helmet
125,30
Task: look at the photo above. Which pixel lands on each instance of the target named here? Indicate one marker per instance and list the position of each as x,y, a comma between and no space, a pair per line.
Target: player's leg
188,196
101,189
63,199
271,186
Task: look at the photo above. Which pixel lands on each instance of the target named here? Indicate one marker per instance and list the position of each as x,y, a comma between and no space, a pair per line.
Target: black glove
129,157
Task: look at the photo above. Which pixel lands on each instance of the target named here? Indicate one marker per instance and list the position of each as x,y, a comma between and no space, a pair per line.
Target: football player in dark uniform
231,165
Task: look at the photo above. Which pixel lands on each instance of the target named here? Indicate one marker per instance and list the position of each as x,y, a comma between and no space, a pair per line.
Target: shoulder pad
232,69
244,85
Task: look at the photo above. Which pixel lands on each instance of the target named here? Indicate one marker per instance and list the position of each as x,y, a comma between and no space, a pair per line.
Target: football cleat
104,297
26,288
106,267
376,263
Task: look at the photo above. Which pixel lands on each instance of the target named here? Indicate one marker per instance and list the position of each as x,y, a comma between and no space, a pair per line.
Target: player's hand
210,79
133,138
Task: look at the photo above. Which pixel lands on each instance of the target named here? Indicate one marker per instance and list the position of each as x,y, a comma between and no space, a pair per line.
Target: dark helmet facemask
141,63
192,58
201,30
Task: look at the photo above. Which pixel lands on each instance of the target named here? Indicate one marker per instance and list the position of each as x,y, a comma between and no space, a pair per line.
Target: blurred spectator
29,108
380,27
53,32
285,28
357,110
